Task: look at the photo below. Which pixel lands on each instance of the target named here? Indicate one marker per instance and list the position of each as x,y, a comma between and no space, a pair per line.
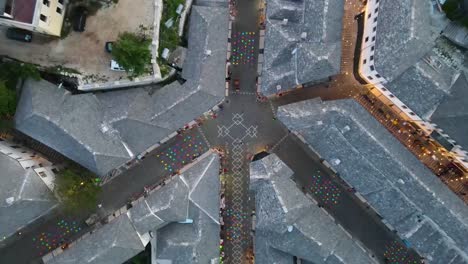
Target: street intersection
243,127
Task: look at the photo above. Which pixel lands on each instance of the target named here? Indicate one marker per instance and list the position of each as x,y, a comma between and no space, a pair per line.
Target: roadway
242,128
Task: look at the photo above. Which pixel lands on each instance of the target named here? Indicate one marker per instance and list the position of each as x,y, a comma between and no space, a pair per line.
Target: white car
115,66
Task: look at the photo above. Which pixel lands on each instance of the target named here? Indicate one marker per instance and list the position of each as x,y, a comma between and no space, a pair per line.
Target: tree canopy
10,73
132,52
77,188
456,10
7,101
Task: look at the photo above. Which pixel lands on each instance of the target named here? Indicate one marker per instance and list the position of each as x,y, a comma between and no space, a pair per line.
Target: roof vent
10,200
285,22
335,162
208,52
290,228
278,87
303,35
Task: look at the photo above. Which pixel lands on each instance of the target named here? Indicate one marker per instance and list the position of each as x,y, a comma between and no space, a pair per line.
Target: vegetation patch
163,67
78,188
168,36
132,52
10,73
456,10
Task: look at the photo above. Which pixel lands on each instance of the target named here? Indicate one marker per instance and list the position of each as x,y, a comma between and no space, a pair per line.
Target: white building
43,16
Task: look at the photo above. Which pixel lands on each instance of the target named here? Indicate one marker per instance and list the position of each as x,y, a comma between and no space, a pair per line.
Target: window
373,38
60,2
376,10
377,75
383,89
367,39
59,10
375,19
370,78
372,48
46,2
372,67
404,106
374,29
371,57
43,18
369,16
411,113
391,95
42,174
364,61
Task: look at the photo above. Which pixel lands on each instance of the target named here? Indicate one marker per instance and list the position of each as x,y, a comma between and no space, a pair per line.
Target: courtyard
84,52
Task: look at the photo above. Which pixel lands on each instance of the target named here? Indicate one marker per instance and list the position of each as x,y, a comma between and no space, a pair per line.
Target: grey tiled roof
161,212
404,34
280,204
189,243
452,113
31,197
457,33
197,242
290,60
395,183
169,204
102,131
114,243
423,86
418,90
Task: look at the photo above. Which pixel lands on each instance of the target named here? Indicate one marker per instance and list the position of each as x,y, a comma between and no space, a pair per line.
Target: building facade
42,16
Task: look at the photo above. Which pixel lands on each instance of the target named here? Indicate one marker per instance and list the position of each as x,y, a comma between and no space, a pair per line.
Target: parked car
19,34
79,18
108,46
115,66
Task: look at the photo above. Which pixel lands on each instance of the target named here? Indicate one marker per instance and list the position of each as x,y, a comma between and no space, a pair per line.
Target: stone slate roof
290,60
114,243
457,33
418,90
401,189
193,195
280,204
197,242
104,130
31,197
423,86
451,114
405,32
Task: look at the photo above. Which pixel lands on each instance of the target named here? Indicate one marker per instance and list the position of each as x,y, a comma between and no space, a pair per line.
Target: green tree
456,11
132,52
78,189
7,101
12,71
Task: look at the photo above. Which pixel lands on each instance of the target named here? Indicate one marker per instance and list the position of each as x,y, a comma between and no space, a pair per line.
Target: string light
182,153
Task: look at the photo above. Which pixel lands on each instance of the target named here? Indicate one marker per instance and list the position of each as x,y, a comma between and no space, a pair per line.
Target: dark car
79,18
108,46
19,34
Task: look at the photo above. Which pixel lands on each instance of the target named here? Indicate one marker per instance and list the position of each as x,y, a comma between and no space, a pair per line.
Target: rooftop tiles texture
401,189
